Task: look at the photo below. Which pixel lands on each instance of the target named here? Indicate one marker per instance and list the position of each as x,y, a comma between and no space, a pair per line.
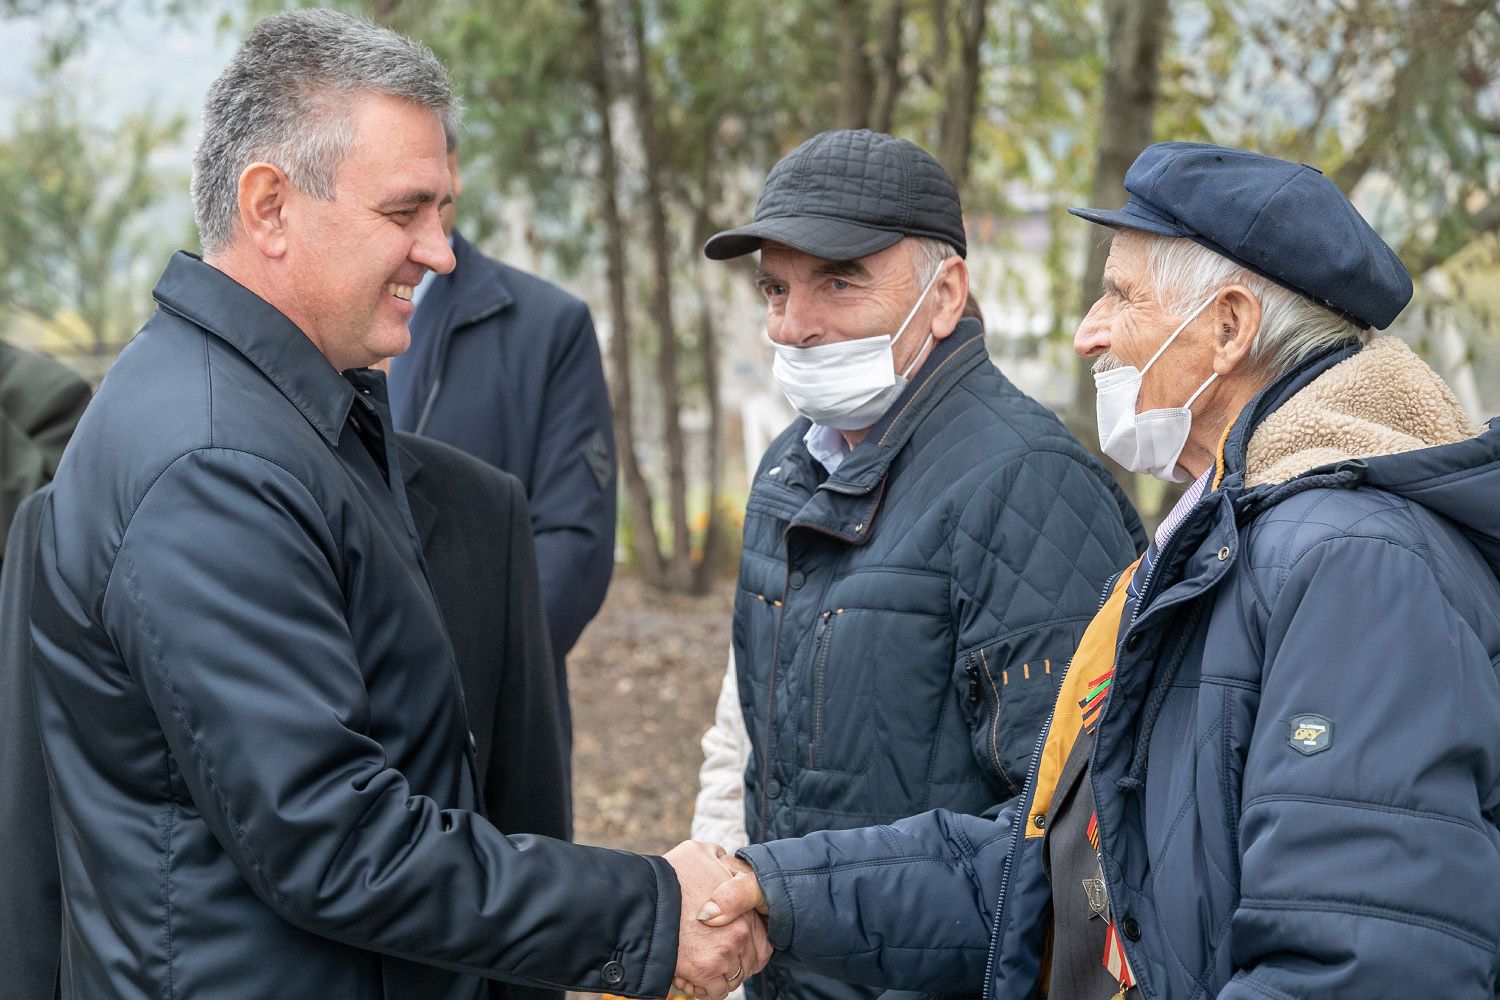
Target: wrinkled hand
713,959
735,897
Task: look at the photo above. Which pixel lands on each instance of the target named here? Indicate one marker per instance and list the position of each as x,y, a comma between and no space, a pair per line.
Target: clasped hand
722,936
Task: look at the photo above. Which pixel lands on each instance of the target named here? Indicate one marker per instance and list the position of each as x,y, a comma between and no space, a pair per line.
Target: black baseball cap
847,194
1284,221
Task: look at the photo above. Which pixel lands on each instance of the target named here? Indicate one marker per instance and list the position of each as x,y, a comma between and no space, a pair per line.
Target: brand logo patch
1311,733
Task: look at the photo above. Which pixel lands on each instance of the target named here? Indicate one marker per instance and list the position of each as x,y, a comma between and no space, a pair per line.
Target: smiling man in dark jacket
263,774
924,545
1273,769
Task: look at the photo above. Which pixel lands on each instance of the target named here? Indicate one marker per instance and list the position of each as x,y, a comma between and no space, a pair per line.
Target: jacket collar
950,360
473,291
1230,474
423,513
202,294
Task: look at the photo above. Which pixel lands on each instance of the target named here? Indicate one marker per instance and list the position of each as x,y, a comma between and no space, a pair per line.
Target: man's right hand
713,955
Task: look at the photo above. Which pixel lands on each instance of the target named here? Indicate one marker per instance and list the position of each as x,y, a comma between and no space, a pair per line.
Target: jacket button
1224,553
613,972
1133,643
1039,820
773,788
797,579
1131,928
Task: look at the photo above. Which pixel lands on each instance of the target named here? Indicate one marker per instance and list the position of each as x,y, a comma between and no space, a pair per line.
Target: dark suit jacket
30,912
476,537
506,366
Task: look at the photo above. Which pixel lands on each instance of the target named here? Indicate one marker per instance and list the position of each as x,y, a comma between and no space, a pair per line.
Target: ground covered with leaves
644,679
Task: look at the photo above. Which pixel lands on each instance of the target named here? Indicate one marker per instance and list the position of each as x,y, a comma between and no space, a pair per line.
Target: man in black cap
923,545
1272,769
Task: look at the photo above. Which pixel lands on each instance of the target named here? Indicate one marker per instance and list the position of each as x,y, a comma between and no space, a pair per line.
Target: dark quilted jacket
899,625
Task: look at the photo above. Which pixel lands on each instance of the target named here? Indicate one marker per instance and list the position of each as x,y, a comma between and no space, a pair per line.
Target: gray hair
927,256
1292,326
285,99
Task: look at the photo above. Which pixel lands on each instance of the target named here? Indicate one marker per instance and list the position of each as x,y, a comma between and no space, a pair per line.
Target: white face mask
1150,441
848,384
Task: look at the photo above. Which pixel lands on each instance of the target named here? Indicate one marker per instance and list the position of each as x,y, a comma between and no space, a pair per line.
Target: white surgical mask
1151,441
848,384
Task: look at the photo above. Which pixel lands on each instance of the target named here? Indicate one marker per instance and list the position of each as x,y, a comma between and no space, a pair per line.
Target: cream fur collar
1381,401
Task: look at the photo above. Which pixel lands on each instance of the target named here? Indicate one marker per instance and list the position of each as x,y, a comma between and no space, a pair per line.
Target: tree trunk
708,355
645,545
850,25
1136,29
888,68
680,565
961,96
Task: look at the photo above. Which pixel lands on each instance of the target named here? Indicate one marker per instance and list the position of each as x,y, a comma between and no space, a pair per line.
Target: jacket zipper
820,666
1024,814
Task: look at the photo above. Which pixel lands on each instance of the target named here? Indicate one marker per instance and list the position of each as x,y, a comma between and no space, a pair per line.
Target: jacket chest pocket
824,713
1006,701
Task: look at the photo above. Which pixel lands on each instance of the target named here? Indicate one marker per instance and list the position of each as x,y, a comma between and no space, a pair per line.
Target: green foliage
74,224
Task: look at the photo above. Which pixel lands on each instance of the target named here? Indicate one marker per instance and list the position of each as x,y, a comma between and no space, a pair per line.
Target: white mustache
1107,362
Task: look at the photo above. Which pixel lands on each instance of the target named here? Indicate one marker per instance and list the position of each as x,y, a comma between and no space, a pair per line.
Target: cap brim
830,239
1133,216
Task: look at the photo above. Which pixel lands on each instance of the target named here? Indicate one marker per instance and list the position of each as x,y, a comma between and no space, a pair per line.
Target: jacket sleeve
40,404
719,815
906,907
572,487
525,787
1034,546
232,619
1373,860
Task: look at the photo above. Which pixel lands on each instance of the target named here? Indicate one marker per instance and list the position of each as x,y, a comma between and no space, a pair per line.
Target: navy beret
1284,221
847,194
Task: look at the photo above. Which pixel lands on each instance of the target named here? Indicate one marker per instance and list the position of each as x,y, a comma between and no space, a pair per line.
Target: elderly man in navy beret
1273,769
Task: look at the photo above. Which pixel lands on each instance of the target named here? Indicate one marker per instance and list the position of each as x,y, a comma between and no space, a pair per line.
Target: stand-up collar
951,357
202,294
476,285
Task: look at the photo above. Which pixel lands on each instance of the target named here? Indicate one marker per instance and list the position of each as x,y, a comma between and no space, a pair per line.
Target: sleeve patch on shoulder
596,456
1310,734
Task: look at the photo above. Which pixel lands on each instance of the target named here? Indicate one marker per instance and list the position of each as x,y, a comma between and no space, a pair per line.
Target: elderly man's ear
1236,318
951,292
263,193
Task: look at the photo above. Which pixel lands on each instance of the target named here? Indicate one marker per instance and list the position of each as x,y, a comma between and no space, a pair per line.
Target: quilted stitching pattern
868,178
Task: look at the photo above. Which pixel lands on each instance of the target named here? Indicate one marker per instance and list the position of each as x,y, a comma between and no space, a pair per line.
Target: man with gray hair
262,772
1273,768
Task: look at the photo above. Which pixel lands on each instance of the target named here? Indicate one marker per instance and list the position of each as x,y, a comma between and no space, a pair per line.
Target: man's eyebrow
413,199
1109,287
764,277
842,269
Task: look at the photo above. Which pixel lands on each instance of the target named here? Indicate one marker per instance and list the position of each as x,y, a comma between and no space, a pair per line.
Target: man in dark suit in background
476,540
506,367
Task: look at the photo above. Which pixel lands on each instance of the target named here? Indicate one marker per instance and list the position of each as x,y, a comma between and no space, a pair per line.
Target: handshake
722,936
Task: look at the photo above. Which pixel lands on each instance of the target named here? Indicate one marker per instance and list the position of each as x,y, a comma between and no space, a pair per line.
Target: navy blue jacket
506,367
262,771
899,624
1242,861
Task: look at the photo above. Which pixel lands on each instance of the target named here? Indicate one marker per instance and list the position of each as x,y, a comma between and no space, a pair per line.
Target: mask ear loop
904,323
1168,342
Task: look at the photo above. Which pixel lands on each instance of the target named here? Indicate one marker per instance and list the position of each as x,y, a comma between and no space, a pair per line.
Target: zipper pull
971,669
